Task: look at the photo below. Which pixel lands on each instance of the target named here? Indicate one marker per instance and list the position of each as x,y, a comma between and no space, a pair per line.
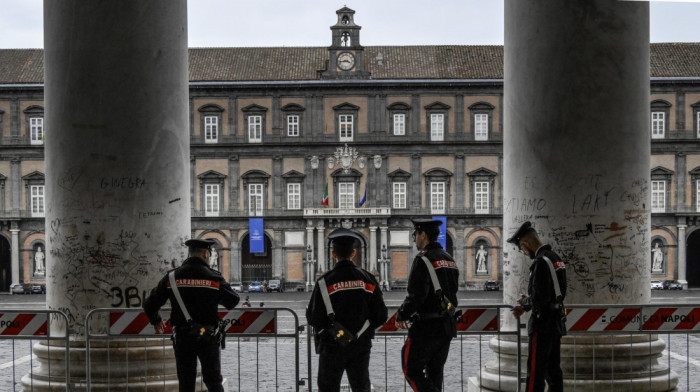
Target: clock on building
346,61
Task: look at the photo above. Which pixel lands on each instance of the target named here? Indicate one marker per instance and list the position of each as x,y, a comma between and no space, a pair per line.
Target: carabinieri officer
357,304
202,289
425,352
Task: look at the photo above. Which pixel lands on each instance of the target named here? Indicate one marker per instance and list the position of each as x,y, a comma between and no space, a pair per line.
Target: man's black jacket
421,297
541,298
202,289
355,296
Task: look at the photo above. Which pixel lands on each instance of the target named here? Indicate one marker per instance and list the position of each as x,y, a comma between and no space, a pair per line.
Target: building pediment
34,176
211,175
481,106
346,106
399,106
210,107
399,173
254,108
293,174
437,106
255,174
482,172
661,171
34,109
293,107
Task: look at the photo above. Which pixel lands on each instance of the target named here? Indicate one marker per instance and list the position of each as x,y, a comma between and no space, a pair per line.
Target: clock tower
345,52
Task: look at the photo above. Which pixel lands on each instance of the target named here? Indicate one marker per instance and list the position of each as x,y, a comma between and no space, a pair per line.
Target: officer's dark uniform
202,289
545,327
356,297
425,352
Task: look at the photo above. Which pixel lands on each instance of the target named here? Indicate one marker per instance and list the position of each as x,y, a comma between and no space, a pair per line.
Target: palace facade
289,143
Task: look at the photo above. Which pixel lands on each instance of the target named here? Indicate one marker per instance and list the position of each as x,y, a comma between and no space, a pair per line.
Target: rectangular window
345,122
658,196
658,125
211,129
437,127
346,195
697,121
36,125
481,197
37,200
255,129
399,124
211,199
437,197
293,196
255,199
293,125
399,195
481,127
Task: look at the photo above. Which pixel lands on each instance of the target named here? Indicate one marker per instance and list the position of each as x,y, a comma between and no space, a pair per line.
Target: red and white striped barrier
23,324
135,323
643,318
389,325
235,322
671,319
478,320
602,319
472,320
249,321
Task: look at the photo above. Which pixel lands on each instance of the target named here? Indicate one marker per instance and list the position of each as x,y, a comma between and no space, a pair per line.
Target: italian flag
324,201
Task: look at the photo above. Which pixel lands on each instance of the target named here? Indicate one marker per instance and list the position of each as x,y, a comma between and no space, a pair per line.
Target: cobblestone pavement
267,364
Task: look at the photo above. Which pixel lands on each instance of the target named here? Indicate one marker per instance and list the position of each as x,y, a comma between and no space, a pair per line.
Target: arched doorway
693,259
449,248
5,265
255,266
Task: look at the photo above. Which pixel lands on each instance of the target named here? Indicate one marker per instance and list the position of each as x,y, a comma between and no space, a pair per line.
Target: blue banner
257,235
442,238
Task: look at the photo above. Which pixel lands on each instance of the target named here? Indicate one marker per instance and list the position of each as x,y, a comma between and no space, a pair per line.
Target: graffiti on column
601,233
106,258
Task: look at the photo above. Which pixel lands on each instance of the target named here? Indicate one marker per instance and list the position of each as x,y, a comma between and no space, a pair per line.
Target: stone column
372,250
682,261
117,180
576,164
277,255
15,253
235,272
321,248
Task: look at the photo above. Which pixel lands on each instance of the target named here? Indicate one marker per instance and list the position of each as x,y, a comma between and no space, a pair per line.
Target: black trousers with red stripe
423,360
543,363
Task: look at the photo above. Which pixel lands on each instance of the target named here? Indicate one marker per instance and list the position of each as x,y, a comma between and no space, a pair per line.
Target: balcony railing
317,212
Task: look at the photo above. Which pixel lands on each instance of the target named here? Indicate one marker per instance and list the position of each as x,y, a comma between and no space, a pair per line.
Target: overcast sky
230,23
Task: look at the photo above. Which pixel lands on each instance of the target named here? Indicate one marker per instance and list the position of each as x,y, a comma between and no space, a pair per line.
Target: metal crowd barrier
475,323
245,326
31,325
616,322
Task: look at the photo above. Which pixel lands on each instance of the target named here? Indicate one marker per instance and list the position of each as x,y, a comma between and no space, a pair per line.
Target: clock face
346,61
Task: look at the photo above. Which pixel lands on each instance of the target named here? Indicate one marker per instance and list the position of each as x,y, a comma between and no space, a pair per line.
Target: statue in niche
39,268
214,259
657,259
481,255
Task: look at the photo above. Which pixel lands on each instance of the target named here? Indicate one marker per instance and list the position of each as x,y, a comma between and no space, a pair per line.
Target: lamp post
309,268
384,267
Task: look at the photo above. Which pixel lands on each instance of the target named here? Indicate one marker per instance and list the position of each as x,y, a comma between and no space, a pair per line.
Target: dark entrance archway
5,264
693,259
255,266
